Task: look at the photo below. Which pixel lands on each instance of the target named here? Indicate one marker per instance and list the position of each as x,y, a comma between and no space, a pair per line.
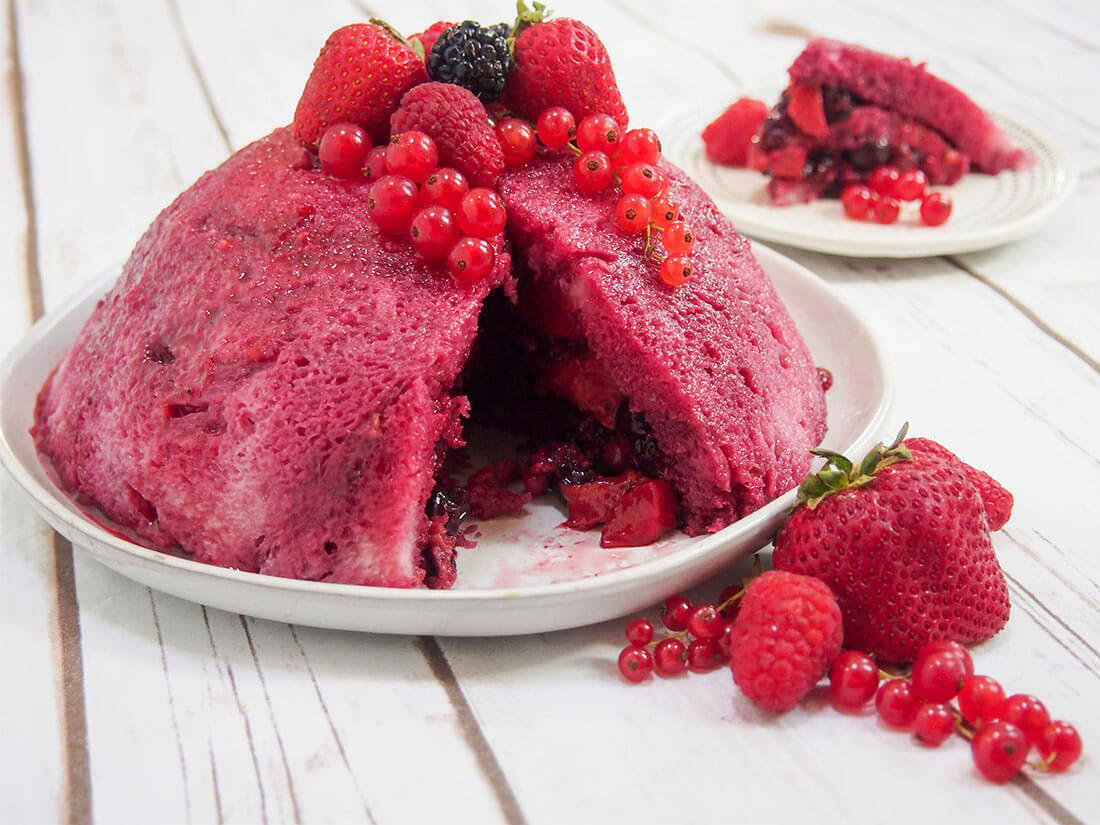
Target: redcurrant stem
962,727
574,149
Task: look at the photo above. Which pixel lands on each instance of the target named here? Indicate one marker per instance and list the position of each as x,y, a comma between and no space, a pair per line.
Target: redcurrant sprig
882,197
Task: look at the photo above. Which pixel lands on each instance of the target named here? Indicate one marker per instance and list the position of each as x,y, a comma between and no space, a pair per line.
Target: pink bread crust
267,383
902,86
716,367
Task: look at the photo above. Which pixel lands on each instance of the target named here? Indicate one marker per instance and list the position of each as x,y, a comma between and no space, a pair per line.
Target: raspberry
727,138
784,639
459,125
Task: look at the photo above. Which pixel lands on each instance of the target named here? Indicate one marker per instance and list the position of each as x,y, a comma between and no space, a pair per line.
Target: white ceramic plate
989,210
527,574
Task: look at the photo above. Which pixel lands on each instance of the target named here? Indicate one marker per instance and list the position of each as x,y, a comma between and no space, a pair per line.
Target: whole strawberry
456,120
561,62
359,77
786,635
904,542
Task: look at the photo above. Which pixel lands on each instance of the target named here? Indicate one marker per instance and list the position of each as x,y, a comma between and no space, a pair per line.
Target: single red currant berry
670,657
343,150
896,704
446,187
933,723
639,632
641,178
592,172
857,200
433,232
482,213
678,238
676,270
981,700
999,750
662,212
374,166
882,181
674,612
1060,746
635,663
412,154
886,210
701,654
935,208
910,185
640,146
556,127
517,141
938,676
853,680
470,260
723,641
1027,713
598,133
392,201
704,622
951,646
632,214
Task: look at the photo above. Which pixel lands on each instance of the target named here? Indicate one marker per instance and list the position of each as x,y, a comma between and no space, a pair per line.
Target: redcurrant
999,750
981,700
886,210
446,187
701,654
374,166
896,704
556,127
704,622
392,201
910,185
640,146
662,211
635,663
857,200
678,238
639,632
470,260
938,676
1027,713
882,181
642,178
853,680
674,612
935,208
632,214
677,270
592,172
481,213
517,141
343,150
670,657
933,723
412,154
598,133
951,646
723,641
433,232
1060,746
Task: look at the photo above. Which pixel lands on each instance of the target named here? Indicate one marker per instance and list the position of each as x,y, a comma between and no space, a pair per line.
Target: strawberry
561,62
359,77
456,120
903,540
807,109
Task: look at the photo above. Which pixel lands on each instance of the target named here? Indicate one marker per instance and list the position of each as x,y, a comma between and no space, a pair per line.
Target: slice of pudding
849,110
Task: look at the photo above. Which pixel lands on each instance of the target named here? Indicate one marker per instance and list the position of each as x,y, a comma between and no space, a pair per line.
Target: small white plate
527,574
989,210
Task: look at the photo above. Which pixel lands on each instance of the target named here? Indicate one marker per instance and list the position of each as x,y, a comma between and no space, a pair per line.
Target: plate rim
1064,171
92,537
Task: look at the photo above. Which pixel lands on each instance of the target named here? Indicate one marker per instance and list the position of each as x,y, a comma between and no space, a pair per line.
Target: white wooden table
120,704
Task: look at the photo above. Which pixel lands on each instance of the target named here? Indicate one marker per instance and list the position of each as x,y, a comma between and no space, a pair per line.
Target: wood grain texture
197,715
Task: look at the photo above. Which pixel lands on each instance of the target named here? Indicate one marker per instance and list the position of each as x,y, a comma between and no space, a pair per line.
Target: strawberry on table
903,539
561,62
359,76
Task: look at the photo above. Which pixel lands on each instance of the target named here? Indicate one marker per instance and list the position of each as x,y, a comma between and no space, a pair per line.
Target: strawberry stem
839,473
525,18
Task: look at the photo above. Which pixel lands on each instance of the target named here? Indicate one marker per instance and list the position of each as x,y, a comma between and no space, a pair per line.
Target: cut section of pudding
849,109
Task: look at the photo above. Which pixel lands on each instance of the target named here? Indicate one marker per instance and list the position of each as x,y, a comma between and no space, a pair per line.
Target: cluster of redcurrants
881,197
606,156
698,638
1001,729
444,218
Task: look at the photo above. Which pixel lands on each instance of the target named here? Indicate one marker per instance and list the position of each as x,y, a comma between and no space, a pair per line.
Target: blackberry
473,56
